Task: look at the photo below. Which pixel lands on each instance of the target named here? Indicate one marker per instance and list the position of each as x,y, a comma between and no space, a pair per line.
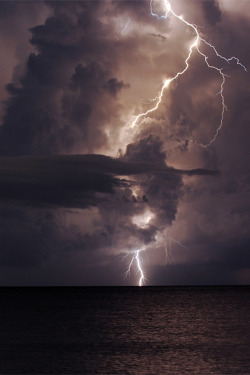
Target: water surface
125,330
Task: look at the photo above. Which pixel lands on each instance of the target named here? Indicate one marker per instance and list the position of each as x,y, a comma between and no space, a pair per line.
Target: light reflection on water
125,330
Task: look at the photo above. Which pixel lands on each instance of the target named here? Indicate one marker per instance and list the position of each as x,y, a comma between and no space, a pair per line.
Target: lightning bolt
125,26
136,258
194,46
168,247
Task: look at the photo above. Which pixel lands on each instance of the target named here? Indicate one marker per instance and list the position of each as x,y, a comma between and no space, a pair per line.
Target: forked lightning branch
195,44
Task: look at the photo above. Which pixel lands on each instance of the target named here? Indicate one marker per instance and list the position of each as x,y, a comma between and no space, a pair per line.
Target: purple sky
82,190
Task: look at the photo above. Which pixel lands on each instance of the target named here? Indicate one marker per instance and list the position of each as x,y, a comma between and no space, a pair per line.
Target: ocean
125,330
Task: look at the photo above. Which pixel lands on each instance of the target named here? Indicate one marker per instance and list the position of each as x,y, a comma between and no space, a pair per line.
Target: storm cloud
72,181
80,188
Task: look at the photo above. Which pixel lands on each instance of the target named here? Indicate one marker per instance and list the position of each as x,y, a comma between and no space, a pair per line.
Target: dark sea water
125,330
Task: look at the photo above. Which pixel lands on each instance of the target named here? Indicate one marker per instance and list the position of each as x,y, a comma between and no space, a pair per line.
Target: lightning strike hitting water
138,261
194,45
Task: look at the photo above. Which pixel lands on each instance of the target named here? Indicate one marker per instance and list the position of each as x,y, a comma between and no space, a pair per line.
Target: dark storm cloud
148,151
68,92
15,20
212,11
229,264
113,86
71,181
161,191
25,236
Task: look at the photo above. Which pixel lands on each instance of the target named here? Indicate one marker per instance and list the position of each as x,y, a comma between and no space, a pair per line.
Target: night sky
81,190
